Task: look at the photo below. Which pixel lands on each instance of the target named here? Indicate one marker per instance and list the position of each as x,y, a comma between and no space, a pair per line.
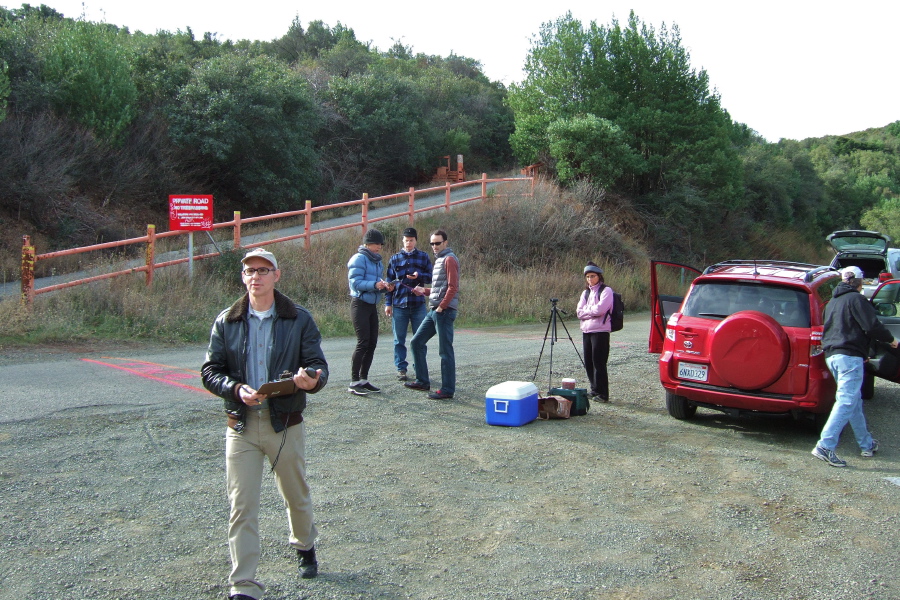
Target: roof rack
810,271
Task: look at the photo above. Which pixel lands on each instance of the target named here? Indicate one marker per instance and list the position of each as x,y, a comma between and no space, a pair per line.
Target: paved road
110,378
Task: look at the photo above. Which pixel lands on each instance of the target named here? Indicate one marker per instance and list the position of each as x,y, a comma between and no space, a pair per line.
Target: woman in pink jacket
594,310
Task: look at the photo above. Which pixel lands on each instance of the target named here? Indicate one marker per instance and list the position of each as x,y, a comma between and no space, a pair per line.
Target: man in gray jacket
850,323
262,337
443,300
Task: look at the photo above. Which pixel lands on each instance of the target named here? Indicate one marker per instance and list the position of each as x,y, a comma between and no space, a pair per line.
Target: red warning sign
191,213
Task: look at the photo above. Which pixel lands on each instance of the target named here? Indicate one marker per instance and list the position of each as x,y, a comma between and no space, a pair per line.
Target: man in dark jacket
850,323
262,337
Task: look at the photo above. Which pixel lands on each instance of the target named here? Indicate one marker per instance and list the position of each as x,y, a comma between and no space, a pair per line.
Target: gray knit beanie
373,236
592,268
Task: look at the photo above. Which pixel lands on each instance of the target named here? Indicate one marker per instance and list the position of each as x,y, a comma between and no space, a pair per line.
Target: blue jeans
402,319
848,373
442,324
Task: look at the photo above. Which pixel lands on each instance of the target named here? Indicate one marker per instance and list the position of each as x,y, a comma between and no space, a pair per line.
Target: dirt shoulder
421,499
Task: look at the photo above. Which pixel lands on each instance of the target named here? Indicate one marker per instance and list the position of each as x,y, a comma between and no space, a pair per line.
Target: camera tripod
555,316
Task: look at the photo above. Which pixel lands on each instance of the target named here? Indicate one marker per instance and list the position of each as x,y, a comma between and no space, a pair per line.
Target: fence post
28,260
307,224
365,212
151,253
412,206
447,198
484,186
532,185
236,245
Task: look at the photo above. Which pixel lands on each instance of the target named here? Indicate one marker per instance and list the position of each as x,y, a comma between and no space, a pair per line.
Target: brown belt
293,418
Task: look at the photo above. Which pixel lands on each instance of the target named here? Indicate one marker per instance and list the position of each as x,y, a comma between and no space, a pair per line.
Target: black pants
365,323
596,355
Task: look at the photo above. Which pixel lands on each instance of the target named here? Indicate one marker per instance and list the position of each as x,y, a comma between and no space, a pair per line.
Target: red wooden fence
30,257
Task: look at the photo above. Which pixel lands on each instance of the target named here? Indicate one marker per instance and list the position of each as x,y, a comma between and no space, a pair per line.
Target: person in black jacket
262,337
850,323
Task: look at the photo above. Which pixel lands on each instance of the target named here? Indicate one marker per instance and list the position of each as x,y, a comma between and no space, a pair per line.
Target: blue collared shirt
402,264
259,347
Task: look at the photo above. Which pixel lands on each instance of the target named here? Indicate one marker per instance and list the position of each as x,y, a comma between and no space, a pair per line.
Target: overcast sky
789,69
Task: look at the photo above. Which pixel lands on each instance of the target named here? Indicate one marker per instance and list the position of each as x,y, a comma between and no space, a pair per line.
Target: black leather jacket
296,343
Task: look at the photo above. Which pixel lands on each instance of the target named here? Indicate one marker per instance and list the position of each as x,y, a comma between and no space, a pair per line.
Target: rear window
718,300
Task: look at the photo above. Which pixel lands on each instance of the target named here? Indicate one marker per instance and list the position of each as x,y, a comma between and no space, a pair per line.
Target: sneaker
357,388
440,395
401,375
871,451
308,565
828,456
369,387
417,385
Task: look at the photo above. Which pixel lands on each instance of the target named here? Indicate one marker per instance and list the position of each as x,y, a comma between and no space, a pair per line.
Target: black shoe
369,387
417,385
308,566
358,389
241,597
440,395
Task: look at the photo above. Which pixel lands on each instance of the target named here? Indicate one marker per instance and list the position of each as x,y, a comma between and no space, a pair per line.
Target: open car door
669,284
884,361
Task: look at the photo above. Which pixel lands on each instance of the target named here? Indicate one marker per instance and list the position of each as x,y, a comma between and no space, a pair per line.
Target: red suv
745,338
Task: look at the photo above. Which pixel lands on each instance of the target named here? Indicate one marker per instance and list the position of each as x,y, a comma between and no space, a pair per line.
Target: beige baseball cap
261,253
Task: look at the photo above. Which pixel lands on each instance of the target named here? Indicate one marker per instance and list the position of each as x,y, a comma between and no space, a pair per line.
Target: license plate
693,371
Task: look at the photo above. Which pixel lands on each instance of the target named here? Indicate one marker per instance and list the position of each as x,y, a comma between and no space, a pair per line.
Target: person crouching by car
594,309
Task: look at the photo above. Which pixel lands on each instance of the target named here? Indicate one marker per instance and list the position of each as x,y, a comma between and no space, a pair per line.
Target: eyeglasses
435,243
249,271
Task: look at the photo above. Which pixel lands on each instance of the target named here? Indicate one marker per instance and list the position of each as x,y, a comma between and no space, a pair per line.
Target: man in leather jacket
262,337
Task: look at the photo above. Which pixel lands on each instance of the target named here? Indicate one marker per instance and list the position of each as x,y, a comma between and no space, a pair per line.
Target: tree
382,118
346,58
588,148
884,217
253,121
641,81
4,88
87,70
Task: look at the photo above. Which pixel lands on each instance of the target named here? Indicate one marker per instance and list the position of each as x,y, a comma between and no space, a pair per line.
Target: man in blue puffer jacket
364,272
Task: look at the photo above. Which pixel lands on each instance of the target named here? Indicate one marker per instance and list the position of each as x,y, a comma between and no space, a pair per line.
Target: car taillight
885,276
815,340
670,326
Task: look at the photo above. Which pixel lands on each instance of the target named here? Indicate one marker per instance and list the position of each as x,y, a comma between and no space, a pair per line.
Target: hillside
98,126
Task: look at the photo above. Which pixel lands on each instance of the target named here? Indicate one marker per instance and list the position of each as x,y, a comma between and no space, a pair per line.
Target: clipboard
283,387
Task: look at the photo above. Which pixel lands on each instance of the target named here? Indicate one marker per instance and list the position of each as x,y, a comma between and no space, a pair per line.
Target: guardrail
30,257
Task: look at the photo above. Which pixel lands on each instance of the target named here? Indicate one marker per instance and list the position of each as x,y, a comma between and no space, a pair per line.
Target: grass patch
516,253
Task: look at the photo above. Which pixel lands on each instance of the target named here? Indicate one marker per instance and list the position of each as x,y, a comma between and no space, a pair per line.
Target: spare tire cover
749,350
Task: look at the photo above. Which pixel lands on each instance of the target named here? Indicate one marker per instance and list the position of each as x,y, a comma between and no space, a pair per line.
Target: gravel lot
421,499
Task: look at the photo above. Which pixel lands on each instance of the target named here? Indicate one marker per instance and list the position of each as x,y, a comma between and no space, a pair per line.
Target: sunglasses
435,243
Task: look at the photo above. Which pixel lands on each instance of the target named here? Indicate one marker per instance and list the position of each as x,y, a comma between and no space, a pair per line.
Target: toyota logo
688,344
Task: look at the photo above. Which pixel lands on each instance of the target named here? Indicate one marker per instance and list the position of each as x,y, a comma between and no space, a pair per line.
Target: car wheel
815,422
868,386
679,407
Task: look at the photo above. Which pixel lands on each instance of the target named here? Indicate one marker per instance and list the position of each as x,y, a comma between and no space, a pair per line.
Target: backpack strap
599,291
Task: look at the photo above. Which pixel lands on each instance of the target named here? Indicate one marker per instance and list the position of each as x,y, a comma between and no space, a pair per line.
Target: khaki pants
245,462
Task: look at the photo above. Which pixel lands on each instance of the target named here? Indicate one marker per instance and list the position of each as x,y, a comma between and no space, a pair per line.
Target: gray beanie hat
592,268
373,236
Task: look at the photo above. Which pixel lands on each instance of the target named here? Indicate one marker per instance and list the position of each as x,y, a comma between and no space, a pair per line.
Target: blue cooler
511,403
